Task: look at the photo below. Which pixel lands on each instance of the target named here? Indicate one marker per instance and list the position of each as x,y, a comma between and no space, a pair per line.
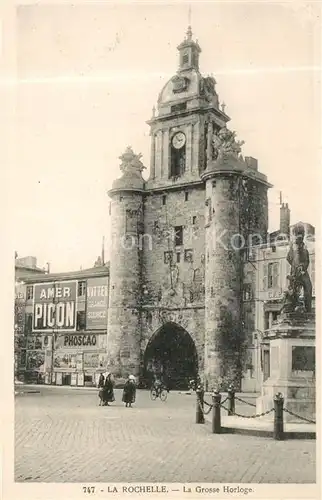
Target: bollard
200,419
278,433
231,400
216,416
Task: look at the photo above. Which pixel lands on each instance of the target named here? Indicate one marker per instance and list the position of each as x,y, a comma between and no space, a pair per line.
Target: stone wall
174,290
184,274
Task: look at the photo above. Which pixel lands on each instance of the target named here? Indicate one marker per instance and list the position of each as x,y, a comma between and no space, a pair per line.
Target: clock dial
178,140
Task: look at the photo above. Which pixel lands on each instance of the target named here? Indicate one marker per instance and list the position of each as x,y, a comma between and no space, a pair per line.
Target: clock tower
176,294
187,112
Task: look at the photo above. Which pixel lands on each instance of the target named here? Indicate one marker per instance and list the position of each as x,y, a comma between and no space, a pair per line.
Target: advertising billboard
20,299
96,304
55,306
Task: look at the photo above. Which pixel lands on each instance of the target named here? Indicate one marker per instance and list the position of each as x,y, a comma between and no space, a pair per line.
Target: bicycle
158,393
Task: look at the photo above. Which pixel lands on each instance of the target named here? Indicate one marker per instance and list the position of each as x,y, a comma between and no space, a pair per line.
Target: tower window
178,235
186,196
178,161
185,59
194,219
164,199
168,257
178,257
178,107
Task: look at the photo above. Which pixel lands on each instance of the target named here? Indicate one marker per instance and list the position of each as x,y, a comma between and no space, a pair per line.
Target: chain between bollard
250,416
246,402
205,412
299,417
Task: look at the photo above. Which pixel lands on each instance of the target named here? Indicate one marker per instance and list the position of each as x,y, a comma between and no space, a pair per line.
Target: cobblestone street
62,435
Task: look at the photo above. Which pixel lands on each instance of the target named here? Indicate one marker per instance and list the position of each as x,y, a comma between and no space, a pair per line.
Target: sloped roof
92,272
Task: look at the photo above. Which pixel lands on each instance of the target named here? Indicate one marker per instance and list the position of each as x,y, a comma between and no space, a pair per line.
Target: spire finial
189,31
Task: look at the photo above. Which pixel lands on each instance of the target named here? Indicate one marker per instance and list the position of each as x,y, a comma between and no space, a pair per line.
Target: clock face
178,140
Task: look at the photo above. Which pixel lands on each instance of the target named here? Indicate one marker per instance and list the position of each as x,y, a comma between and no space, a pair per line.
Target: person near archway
129,392
108,390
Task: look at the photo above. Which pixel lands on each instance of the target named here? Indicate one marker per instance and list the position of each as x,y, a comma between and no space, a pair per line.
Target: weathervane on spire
189,31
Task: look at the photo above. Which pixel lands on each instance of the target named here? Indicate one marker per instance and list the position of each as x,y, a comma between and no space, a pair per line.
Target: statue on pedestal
299,260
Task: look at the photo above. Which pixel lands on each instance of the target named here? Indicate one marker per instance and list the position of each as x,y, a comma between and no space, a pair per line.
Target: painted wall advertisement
20,298
55,306
79,341
96,304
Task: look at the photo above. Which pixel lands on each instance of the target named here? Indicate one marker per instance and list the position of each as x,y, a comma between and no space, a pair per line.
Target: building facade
264,285
63,339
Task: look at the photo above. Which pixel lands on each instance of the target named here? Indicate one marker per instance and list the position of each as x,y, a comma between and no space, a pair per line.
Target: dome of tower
188,85
181,86
131,168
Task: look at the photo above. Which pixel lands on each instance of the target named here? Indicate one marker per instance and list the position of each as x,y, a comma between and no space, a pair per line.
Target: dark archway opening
171,355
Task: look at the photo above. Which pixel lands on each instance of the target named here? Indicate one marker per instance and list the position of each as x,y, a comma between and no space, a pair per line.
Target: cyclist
157,385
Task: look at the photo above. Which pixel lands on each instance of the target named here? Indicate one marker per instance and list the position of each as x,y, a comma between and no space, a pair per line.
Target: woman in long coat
108,392
129,392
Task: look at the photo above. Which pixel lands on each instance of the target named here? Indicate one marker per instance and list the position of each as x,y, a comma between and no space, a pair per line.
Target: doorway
172,356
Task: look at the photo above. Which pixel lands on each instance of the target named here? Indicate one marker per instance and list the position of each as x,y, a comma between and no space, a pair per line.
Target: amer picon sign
55,306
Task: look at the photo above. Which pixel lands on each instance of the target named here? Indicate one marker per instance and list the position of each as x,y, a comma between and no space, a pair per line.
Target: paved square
62,435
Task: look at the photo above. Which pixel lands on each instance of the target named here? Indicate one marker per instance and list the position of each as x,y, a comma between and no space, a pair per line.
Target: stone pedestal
292,367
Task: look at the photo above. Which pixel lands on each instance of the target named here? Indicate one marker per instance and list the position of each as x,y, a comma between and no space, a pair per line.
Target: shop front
67,339
79,358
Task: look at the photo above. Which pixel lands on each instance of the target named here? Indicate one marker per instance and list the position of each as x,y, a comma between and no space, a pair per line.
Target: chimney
285,217
103,251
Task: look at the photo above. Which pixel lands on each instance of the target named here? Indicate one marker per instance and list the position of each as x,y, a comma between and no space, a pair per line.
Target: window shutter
265,277
276,275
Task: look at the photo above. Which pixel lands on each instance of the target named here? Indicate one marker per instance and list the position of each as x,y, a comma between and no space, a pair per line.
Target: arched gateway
171,353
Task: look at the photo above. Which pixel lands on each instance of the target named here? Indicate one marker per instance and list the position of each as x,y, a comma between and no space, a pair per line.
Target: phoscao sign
96,304
55,306
79,341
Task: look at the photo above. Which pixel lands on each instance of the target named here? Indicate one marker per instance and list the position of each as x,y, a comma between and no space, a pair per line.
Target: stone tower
172,279
126,210
237,218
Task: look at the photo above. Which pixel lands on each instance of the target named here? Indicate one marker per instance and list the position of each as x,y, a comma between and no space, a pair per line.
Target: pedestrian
100,385
108,390
129,392
101,381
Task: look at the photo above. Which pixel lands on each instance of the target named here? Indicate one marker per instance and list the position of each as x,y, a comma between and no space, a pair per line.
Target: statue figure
131,161
298,258
224,144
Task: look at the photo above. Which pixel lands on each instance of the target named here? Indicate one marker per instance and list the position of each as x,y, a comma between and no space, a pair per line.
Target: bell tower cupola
189,51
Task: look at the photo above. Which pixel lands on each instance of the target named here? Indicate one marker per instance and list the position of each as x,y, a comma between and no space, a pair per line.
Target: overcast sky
89,75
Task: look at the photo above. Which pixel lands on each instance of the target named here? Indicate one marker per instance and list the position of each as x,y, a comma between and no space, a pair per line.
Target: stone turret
231,184
124,320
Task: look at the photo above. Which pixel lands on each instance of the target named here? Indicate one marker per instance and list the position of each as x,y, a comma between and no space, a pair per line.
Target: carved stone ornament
208,87
180,84
224,144
131,161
